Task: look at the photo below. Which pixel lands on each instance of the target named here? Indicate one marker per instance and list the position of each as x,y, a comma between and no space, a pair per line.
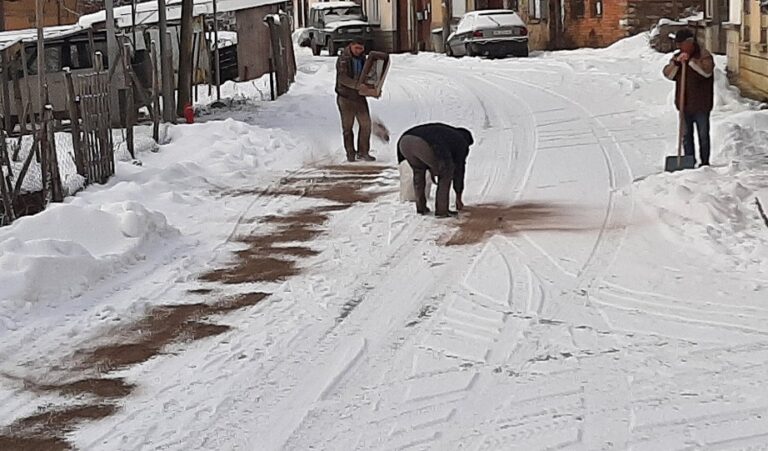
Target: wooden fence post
57,192
5,183
129,103
155,93
5,80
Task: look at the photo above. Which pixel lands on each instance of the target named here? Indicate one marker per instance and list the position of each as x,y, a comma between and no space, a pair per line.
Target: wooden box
374,74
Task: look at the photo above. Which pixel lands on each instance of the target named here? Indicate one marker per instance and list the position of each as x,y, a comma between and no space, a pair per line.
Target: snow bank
714,209
58,254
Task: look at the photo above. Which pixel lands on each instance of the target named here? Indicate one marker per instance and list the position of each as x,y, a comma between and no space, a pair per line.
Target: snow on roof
328,5
490,12
9,38
698,17
146,13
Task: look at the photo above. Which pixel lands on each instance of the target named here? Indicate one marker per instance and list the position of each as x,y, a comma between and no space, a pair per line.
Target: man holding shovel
692,70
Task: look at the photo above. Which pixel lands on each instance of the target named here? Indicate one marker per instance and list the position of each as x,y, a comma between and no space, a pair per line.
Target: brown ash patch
270,256
18,443
197,331
478,223
249,269
46,430
101,387
240,301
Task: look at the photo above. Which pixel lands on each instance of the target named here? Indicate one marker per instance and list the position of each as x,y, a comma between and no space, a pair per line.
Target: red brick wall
591,30
20,14
643,14
538,29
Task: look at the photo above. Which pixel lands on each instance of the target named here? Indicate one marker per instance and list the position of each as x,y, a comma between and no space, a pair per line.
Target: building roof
489,12
9,38
146,13
329,5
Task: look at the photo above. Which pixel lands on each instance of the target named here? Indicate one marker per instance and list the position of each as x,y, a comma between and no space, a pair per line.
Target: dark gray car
333,25
493,33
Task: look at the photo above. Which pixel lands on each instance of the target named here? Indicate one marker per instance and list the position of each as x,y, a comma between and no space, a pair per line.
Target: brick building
568,24
20,14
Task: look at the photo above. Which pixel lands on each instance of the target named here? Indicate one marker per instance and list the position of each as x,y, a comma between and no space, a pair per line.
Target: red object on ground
189,114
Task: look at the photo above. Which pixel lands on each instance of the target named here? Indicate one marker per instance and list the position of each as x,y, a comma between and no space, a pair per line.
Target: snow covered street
586,300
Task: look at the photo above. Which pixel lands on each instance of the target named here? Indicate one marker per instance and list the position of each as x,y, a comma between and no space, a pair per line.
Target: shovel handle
681,116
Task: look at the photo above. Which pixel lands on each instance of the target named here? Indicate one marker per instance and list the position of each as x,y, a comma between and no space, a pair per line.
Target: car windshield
345,13
497,20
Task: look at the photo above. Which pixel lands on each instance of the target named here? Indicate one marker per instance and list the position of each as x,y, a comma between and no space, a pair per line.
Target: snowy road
576,306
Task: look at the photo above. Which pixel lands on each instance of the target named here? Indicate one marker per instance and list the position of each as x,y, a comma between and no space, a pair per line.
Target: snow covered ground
586,300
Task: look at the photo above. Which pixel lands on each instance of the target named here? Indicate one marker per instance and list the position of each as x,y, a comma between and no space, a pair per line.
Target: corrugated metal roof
9,38
146,13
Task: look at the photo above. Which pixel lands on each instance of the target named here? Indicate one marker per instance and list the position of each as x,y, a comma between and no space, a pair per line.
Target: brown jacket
346,82
699,81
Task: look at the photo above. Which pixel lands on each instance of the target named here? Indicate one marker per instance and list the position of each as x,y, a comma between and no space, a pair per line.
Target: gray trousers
421,157
351,109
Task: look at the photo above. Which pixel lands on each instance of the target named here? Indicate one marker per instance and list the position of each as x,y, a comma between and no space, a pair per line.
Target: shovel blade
676,163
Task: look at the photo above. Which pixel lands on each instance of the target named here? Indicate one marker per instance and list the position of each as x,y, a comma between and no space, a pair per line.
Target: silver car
493,33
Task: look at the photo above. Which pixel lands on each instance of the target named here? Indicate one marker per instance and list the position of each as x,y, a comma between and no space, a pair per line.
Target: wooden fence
283,59
91,130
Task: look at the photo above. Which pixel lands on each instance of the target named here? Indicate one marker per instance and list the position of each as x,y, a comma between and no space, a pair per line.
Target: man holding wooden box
357,77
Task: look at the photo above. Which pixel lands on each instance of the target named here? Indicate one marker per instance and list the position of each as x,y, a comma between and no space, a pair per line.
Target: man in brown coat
352,105
699,90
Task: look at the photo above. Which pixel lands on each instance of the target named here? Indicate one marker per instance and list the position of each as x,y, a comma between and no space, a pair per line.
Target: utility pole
169,107
216,51
114,61
186,56
133,23
447,13
39,5
42,130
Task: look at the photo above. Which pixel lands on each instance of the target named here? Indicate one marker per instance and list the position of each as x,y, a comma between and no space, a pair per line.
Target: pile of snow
142,143
714,209
59,254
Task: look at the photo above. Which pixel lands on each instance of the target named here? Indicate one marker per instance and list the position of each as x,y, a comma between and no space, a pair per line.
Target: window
747,6
78,57
374,16
578,9
745,34
535,9
52,60
709,7
597,8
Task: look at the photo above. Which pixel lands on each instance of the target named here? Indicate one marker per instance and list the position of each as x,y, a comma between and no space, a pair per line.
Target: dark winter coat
346,79
699,81
449,144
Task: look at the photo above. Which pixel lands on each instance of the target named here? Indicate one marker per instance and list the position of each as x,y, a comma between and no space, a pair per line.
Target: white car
494,33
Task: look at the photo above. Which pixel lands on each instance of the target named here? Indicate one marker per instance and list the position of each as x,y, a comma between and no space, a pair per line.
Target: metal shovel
680,161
